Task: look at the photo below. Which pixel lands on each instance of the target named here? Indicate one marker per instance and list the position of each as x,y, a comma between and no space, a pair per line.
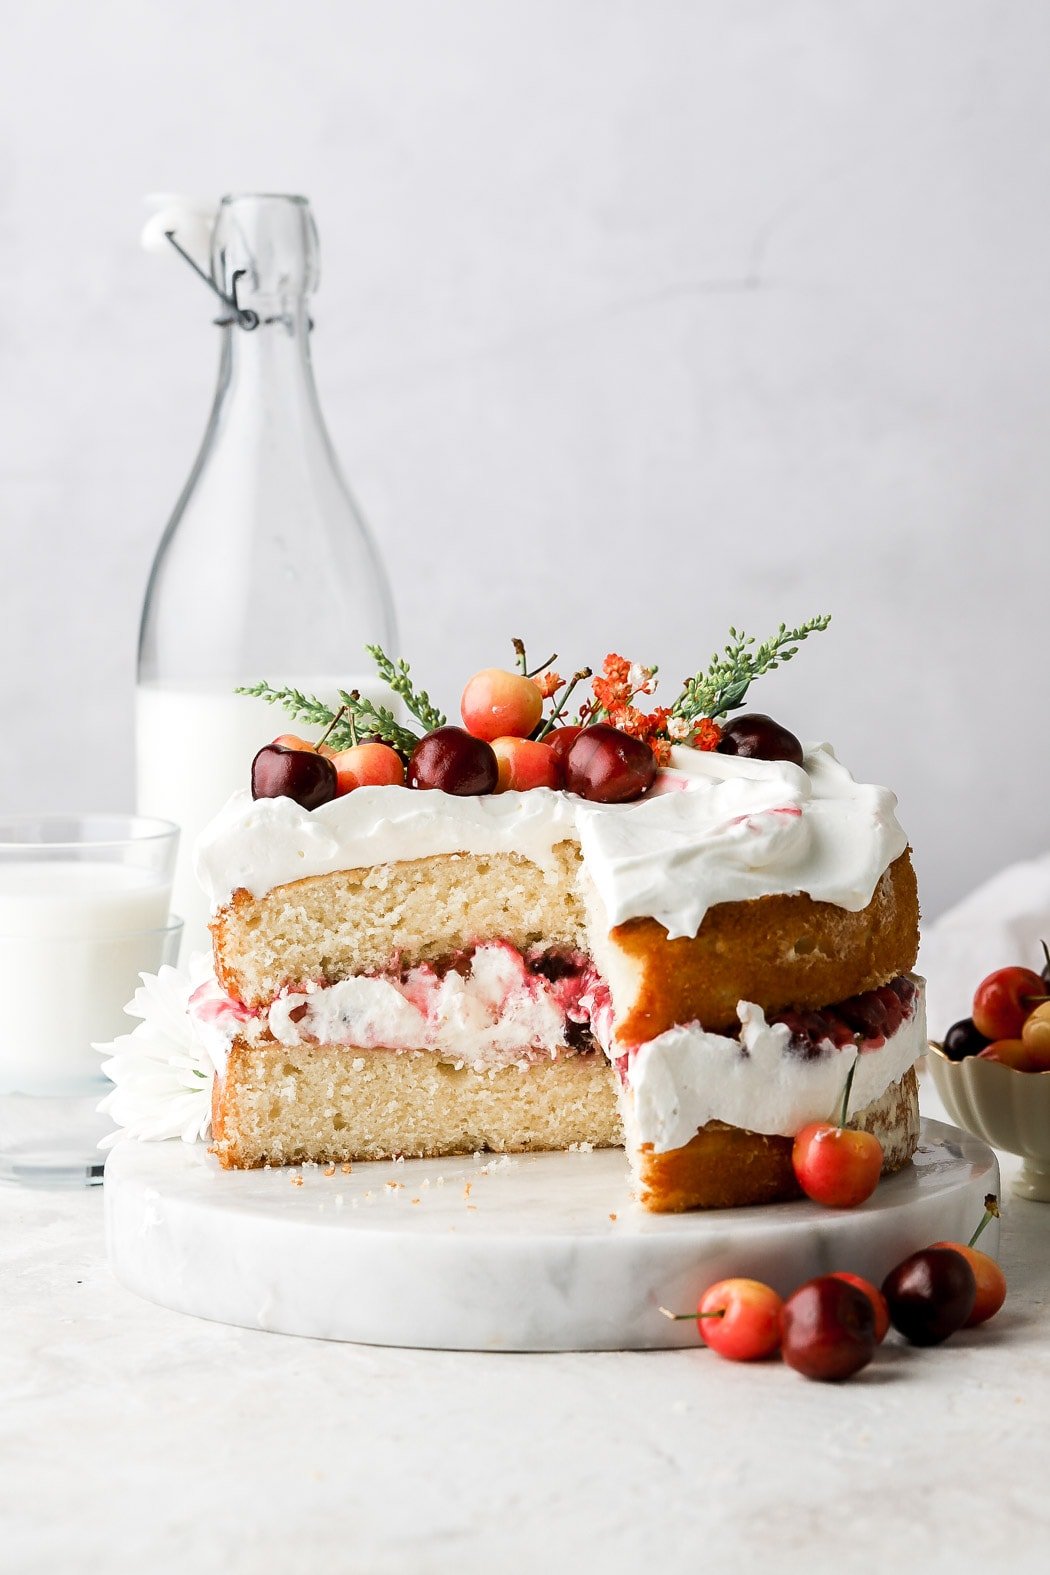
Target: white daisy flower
162,1069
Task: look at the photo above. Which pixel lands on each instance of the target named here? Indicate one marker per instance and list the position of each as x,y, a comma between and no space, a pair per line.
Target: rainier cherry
293,741
1004,1000
740,1319
526,763
829,1329
930,1294
875,1297
498,704
991,1281
608,766
836,1165
1009,1052
454,761
299,774
1035,1036
368,765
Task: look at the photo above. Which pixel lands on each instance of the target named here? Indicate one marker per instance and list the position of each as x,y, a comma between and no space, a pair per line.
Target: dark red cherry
930,1295
828,1329
279,772
760,738
607,766
455,761
561,739
962,1039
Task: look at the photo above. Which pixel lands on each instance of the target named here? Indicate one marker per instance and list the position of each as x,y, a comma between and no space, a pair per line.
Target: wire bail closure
243,316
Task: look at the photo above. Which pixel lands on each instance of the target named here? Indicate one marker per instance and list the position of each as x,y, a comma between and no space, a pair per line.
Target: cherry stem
1046,952
335,721
991,1212
519,652
563,700
543,666
847,1091
719,1312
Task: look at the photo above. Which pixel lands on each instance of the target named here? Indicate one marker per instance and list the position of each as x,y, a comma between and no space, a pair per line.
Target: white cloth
1000,923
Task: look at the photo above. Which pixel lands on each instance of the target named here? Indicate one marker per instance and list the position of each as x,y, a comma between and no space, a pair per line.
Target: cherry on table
453,761
875,1297
991,1282
930,1295
828,1329
280,771
738,1318
758,737
608,766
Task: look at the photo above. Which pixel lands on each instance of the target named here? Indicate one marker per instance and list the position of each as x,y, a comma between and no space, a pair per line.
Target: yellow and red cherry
293,741
368,765
1035,1036
1004,1000
526,763
963,1040
498,704
930,1295
757,736
561,740
740,1319
836,1166
299,774
875,1297
454,761
1008,1052
608,766
828,1329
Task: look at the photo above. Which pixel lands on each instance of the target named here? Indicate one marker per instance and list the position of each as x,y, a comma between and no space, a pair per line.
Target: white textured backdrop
637,319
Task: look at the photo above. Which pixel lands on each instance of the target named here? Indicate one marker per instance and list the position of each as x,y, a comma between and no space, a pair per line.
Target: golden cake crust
723,1167
778,951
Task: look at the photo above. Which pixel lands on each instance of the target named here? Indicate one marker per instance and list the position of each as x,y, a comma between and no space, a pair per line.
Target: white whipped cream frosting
686,1077
737,829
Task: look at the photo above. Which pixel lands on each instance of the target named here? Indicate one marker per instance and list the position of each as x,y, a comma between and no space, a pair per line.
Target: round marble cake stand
539,1252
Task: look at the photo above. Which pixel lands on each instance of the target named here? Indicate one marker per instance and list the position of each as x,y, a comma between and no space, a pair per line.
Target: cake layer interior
281,1105
330,927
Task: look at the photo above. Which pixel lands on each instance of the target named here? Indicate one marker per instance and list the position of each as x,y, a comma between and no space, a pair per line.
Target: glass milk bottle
266,569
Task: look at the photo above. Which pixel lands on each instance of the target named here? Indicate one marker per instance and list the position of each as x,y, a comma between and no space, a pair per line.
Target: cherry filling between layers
493,1005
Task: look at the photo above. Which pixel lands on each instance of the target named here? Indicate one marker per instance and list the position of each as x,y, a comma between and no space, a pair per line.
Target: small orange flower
708,734
548,683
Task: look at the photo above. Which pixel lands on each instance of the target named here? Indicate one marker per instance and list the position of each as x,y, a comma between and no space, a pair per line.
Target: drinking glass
84,903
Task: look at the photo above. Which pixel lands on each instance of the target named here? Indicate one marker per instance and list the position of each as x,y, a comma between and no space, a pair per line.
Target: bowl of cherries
988,1071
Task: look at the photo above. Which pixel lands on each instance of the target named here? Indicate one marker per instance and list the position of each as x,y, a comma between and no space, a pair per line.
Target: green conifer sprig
361,717
723,686
396,676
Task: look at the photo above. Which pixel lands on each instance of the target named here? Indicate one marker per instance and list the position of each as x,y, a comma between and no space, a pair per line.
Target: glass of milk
84,909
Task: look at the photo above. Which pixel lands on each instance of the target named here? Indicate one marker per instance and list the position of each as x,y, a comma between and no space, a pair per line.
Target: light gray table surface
137,1439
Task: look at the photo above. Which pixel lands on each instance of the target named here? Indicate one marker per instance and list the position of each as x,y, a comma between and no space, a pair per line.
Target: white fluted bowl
1009,1109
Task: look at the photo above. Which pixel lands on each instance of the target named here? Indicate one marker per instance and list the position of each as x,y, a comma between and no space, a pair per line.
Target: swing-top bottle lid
264,248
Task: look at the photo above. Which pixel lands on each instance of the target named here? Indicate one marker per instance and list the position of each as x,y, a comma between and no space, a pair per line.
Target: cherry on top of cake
517,733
